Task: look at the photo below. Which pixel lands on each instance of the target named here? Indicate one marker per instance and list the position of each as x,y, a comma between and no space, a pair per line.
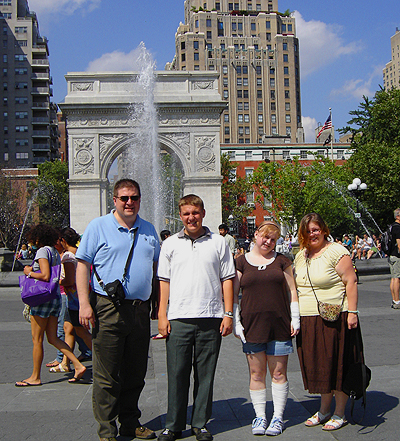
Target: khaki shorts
394,264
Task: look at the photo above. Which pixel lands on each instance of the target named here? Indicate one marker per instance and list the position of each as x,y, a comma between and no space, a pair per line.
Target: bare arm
398,244
70,274
45,271
86,314
227,292
164,327
346,272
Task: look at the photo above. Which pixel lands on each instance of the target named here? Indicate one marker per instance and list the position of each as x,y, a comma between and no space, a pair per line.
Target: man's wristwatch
228,314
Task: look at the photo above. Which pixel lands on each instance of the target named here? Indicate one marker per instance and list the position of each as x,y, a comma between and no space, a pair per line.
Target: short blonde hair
191,199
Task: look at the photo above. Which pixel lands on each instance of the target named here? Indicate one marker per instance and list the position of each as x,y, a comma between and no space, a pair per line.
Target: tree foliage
295,189
53,194
233,192
11,213
375,127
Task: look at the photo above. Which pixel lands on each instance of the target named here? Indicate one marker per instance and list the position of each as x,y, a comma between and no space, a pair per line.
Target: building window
225,82
340,154
21,142
283,27
273,106
248,156
286,82
239,94
5,156
258,7
196,23
21,128
5,130
195,44
240,131
238,81
240,118
288,119
285,58
272,82
218,6
247,130
259,93
234,26
259,82
5,101
230,6
20,57
245,70
246,118
21,115
226,117
226,130
20,29
183,57
253,26
286,70
245,81
273,119
222,46
21,71
239,70
5,72
226,94
265,154
268,36
196,56
260,118
259,106
5,58
5,116
286,154
231,154
303,154
208,22
284,46
251,224
287,94
22,155
287,106
290,27
288,131
273,130
5,86
241,141
245,94
224,70
21,85
268,24
258,70
23,43
240,106
209,35
246,106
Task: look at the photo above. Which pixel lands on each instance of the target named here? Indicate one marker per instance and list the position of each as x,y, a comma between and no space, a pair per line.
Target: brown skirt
325,350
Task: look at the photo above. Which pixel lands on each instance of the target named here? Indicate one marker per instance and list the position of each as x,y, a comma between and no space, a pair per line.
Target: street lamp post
356,188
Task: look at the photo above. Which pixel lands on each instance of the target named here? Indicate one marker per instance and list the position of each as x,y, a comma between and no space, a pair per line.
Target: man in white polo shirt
196,272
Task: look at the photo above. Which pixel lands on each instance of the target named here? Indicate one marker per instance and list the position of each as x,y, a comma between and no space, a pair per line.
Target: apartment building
391,72
28,132
256,52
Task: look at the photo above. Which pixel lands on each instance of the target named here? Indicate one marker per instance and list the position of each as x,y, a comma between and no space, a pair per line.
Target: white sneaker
258,426
275,427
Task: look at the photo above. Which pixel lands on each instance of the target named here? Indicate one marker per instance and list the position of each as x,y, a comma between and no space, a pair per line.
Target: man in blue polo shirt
120,331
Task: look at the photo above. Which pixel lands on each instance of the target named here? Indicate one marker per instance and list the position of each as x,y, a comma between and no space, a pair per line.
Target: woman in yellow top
323,347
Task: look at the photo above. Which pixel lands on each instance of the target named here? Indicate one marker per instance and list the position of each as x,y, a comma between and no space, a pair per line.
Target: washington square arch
99,129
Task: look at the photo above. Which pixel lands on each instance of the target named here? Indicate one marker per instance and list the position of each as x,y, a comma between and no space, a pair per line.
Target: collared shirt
230,240
195,270
106,245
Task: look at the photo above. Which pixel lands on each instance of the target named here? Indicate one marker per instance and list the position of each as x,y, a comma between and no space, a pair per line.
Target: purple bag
35,292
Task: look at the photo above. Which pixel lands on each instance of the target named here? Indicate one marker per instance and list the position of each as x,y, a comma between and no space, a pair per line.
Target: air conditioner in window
250,204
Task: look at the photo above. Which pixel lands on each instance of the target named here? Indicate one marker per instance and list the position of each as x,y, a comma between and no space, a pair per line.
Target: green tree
233,192
295,189
375,127
53,193
11,213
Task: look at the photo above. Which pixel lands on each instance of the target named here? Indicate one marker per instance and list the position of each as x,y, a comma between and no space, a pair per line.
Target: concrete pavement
59,410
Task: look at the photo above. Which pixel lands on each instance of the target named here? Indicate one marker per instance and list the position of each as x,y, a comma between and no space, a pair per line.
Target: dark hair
191,199
43,234
125,183
311,217
224,227
164,234
70,236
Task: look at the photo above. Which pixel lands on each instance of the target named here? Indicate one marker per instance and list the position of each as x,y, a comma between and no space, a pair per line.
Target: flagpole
332,133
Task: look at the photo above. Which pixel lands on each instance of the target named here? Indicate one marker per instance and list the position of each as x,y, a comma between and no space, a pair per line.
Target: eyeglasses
126,198
315,231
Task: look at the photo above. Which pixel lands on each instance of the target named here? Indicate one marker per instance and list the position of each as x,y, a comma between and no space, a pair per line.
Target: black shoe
202,434
169,435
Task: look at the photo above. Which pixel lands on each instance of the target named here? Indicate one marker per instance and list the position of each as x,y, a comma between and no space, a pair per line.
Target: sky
344,45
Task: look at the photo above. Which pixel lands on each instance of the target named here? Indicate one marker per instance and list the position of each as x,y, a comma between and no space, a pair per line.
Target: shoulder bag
35,292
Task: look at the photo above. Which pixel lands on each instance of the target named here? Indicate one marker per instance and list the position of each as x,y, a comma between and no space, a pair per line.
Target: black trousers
120,351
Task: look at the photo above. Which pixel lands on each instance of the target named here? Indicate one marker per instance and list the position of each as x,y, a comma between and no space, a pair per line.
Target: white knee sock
259,400
279,398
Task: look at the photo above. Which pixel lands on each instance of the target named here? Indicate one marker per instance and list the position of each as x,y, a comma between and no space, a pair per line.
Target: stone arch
98,124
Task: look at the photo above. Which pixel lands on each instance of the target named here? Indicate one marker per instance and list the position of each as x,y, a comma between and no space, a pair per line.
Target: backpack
387,241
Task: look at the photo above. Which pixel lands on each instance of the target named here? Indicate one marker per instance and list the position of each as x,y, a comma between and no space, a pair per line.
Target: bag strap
128,261
309,279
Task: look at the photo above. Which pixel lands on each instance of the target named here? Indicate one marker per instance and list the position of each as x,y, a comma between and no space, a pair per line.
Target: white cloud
116,61
309,126
357,88
320,44
49,7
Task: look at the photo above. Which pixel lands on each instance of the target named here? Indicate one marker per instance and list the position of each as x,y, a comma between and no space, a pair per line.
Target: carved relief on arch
205,153
82,87
84,158
202,85
106,141
181,141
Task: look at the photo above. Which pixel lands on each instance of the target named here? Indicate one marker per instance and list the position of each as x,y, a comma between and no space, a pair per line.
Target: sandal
317,418
53,363
335,422
60,369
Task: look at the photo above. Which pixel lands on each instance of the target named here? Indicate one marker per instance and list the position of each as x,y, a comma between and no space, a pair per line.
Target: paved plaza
59,411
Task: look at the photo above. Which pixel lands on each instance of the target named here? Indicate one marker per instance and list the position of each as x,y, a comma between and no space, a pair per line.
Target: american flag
326,126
